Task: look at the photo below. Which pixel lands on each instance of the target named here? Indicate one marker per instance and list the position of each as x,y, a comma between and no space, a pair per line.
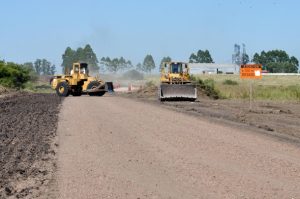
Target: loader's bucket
177,92
109,87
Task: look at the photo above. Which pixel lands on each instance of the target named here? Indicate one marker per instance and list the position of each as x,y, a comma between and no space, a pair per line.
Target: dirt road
112,147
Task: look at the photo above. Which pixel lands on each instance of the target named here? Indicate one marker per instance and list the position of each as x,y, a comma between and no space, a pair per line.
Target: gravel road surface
113,147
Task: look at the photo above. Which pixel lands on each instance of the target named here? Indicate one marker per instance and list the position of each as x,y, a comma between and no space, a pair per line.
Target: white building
212,68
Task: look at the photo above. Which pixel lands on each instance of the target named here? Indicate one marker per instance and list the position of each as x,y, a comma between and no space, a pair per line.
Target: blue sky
34,29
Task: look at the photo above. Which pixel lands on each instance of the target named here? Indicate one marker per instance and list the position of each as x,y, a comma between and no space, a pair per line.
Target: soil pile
28,125
147,92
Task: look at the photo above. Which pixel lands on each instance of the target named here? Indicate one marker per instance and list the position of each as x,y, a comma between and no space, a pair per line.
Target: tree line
113,65
277,61
274,61
40,67
85,54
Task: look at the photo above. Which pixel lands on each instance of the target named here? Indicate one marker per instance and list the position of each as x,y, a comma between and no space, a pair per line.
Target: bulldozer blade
109,87
177,92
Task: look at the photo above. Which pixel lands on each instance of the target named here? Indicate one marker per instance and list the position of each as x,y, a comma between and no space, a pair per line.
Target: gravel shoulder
28,144
122,148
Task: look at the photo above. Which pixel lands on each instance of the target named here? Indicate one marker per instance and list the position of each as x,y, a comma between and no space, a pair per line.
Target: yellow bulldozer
175,82
78,82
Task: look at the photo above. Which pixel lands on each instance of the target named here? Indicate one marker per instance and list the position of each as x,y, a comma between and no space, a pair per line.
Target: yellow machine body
78,82
175,82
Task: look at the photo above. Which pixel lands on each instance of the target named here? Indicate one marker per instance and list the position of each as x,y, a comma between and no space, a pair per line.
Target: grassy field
278,88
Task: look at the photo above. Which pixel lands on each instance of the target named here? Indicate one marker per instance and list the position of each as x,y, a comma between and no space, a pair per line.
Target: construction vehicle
175,82
78,82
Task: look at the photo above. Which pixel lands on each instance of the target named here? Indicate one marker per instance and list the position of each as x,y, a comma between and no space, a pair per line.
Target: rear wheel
92,85
62,89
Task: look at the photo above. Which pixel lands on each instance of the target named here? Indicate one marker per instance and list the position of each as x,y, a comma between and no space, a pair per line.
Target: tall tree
79,55
41,67
91,58
45,67
85,54
29,66
148,64
68,59
139,67
245,58
38,66
201,57
116,64
104,63
52,70
277,61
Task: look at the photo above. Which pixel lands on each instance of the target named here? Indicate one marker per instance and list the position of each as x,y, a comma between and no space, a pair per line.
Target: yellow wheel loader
78,82
175,82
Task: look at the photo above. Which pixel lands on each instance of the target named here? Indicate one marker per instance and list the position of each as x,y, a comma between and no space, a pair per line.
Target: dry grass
279,88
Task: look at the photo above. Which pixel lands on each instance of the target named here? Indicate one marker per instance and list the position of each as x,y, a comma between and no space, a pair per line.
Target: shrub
230,82
208,86
192,77
13,75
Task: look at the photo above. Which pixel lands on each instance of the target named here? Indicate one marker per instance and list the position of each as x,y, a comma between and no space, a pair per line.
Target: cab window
76,68
176,68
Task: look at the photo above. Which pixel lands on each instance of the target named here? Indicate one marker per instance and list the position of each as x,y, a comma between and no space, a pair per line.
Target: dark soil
28,125
276,118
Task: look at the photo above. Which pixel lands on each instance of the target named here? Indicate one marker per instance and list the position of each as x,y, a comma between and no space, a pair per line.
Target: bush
13,75
133,75
230,82
208,86
193,77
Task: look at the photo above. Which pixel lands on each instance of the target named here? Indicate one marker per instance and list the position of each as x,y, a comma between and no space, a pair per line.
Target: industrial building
212,68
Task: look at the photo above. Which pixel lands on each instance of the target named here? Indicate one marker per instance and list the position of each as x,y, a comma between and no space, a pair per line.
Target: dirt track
28,128
276,118
119,148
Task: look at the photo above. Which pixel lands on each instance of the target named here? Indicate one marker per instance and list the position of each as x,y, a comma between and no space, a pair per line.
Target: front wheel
62,89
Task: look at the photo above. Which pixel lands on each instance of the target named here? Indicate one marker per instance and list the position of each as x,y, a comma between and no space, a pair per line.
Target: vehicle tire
62,89
92,85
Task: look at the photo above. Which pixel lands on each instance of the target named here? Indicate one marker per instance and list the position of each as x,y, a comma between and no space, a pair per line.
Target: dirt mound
27,135
148,91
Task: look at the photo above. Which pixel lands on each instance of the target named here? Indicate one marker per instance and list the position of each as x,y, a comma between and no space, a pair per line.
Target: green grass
38,87
230,82
277,88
